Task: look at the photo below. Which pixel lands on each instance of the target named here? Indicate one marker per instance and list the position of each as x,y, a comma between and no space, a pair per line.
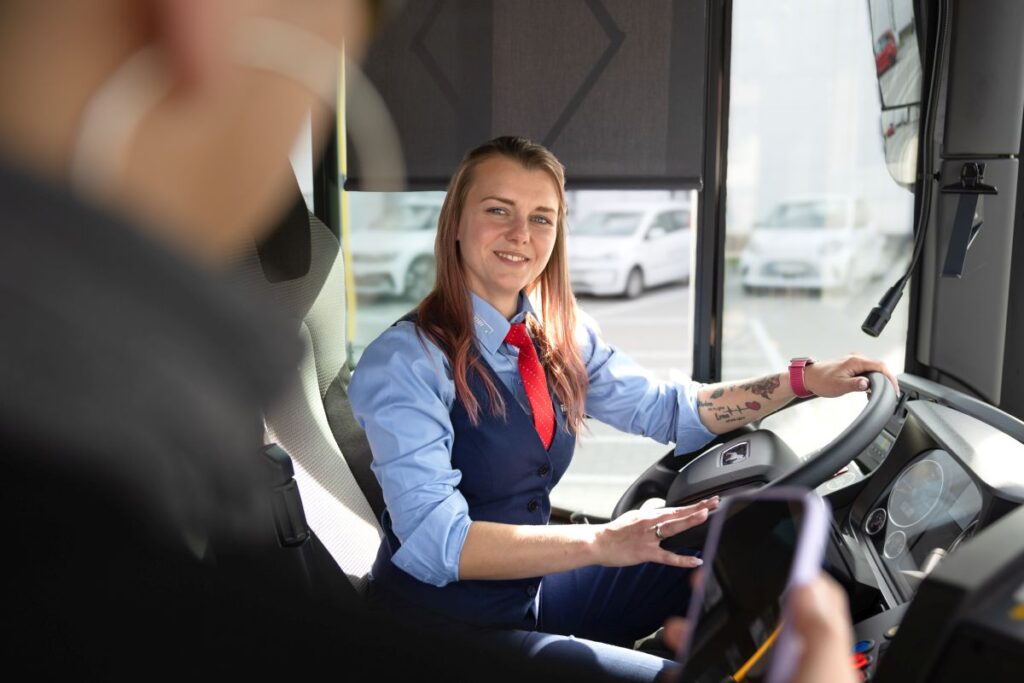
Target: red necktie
535,383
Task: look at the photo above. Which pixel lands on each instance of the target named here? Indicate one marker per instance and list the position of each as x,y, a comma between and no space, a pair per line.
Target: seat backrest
300,268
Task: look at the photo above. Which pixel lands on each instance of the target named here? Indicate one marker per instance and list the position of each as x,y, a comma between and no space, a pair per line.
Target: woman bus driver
472,404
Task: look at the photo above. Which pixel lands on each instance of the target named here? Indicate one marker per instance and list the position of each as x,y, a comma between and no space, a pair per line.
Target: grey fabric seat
300,268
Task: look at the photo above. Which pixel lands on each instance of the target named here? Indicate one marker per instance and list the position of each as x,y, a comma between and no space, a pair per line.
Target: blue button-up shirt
402,394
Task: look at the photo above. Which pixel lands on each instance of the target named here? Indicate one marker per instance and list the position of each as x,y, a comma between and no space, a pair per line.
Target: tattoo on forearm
739,412
763,387
732,413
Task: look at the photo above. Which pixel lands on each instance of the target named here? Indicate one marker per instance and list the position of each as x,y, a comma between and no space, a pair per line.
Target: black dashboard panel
964,623
930,509
947,476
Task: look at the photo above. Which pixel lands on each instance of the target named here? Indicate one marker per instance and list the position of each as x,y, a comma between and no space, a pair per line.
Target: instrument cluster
931,507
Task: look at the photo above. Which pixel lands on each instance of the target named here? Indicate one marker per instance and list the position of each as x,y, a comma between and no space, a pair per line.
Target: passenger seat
299,266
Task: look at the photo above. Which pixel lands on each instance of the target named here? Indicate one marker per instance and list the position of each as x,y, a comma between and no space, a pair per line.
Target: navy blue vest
507,477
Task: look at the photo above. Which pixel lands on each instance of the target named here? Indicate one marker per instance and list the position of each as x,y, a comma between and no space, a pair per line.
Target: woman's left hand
636,536
833,378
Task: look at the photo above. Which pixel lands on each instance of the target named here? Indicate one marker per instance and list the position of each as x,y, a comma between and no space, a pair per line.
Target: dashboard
942,476
928,522
930,509
929,530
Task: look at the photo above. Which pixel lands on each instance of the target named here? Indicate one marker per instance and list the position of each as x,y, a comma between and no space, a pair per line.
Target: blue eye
497,210
542,219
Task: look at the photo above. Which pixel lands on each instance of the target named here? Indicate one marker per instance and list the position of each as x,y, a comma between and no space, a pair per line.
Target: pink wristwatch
796,377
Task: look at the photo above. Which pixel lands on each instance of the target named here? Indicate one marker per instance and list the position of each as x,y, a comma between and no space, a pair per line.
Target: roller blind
615,88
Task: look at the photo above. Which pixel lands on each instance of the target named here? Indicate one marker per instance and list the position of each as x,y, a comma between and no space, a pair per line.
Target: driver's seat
299,266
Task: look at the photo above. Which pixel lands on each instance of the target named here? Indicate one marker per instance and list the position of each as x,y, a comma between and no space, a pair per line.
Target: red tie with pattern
534,382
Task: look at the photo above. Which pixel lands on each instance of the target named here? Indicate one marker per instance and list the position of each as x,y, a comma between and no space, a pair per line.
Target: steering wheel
818,468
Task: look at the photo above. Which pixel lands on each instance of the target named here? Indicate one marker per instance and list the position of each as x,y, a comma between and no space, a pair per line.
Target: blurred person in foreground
820,620
142,143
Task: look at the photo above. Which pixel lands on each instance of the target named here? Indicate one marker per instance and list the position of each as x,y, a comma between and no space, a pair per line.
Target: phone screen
740,615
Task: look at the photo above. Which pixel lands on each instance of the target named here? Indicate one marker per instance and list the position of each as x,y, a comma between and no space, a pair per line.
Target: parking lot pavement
760,334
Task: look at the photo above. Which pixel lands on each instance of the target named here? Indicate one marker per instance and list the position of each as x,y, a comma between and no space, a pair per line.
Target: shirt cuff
691,433
431,552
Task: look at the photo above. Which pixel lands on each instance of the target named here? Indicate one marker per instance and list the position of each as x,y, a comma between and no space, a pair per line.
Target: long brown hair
446,317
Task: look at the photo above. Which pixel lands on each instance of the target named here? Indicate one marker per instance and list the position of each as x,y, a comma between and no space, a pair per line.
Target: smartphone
760,545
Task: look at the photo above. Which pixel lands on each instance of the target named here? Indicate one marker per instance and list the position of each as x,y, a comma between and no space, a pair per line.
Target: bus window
630,259
391,248
816,229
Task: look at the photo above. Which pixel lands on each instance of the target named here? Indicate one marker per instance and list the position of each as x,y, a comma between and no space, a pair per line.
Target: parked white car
626,250
815,243
395,255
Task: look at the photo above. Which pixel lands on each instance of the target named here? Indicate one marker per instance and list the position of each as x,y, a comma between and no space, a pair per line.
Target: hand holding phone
820,612
760,547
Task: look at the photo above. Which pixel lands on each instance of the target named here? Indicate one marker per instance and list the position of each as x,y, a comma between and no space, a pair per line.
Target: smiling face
507,230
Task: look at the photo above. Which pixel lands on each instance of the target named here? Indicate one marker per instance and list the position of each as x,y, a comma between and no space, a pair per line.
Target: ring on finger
657,532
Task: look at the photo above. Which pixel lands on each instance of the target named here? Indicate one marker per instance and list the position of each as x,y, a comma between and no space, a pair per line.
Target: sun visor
615,88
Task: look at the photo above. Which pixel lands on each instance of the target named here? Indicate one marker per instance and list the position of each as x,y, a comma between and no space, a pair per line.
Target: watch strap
797,367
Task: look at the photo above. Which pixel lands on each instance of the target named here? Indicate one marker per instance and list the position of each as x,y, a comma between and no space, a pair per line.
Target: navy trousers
588,620
613,605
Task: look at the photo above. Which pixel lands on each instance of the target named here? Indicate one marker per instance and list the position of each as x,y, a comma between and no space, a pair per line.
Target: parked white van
626,250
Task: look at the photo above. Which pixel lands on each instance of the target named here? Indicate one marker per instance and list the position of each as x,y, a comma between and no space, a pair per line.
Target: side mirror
657,232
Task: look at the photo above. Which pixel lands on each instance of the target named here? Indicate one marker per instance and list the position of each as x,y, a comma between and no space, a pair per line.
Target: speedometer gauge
915,493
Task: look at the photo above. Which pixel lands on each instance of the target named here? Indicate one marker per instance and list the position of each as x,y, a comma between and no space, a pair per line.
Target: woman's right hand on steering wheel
636,536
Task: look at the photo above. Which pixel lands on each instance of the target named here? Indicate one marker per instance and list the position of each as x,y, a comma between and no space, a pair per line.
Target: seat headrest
292,264
285,254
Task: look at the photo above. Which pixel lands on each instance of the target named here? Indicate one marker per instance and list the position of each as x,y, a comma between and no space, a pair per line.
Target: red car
885,52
